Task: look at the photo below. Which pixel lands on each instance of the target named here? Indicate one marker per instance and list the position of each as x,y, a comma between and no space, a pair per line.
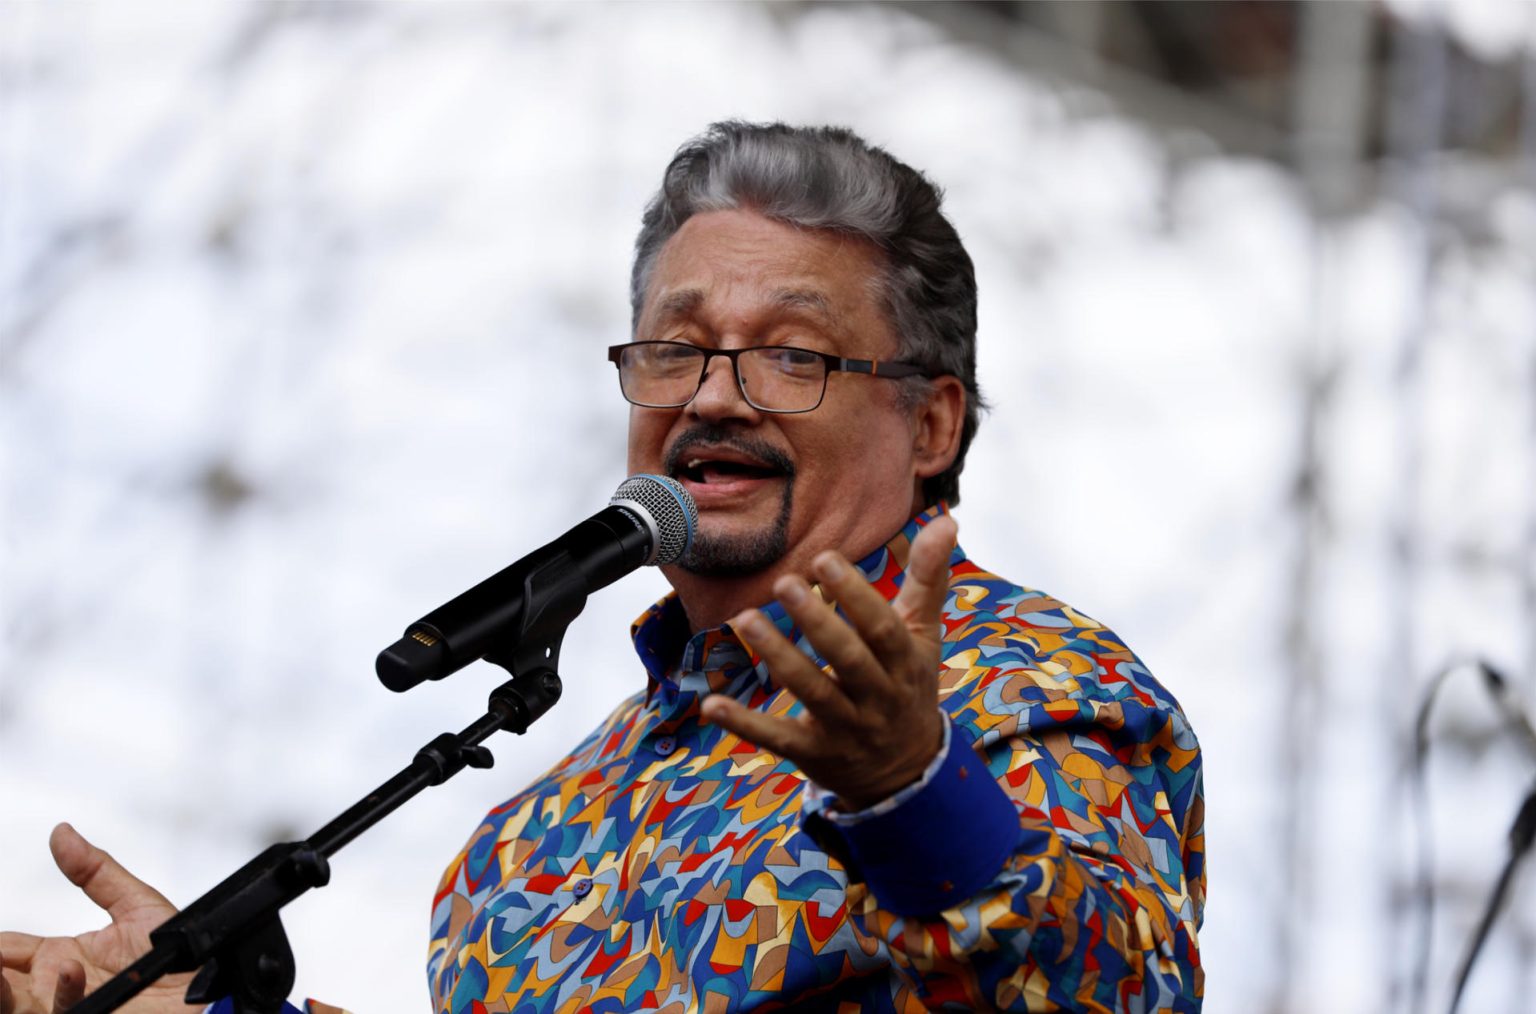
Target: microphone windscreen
667,507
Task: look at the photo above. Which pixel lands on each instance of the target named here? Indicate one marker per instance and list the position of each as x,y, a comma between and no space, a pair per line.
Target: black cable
1424,837
1521,834
1498,686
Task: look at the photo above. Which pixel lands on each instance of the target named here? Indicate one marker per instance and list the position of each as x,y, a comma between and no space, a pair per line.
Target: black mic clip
554,593
530,651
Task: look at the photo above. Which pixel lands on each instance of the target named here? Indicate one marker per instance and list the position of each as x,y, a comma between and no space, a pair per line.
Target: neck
710,601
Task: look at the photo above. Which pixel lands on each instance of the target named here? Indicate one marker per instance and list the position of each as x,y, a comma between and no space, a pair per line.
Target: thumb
921,599
102,878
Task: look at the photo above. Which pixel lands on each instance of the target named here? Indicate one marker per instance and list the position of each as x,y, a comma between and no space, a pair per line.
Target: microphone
649,520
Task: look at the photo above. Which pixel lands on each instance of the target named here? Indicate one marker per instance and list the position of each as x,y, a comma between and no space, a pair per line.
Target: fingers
22,993
921,599
877,634
855,652
17,949
7,997
783,736
790,667
882,632
100,876
69,988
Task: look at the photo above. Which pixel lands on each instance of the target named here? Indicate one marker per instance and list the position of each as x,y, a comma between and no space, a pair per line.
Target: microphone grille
670,507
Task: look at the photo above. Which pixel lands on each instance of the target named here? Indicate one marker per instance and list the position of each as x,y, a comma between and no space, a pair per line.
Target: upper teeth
695,462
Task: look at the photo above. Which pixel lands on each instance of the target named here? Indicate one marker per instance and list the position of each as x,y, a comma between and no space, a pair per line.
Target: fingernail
792,592
831,568
750,621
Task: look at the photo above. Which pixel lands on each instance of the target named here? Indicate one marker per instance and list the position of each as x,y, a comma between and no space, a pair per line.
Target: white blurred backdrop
302,318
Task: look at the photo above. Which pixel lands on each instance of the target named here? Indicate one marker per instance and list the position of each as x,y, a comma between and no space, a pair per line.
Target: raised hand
47,975
874,726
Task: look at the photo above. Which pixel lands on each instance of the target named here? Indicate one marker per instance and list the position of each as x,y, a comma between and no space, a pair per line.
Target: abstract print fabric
668,865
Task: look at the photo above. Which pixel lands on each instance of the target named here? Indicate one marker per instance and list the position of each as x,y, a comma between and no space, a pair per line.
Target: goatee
737,555
740,555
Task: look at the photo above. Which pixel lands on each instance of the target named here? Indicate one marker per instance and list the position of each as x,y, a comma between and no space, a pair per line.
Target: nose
719,397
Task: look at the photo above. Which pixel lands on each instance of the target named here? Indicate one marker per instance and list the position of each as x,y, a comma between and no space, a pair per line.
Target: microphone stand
233,933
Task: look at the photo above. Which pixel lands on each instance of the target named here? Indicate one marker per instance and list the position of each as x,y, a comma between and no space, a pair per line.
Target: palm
44,974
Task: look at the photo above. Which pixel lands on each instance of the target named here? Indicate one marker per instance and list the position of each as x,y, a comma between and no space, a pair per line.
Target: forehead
736,262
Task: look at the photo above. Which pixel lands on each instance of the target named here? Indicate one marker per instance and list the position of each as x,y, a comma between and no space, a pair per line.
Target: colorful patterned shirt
1052,858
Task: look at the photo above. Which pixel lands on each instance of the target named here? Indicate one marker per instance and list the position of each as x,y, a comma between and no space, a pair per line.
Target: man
863,773
1006,808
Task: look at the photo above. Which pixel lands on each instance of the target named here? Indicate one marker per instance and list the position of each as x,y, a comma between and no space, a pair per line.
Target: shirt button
665,745
582,887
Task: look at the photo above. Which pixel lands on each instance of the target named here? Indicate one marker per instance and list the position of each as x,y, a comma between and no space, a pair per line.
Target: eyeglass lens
668,374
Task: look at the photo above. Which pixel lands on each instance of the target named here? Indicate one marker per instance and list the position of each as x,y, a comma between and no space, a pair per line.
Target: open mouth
706,470
719,469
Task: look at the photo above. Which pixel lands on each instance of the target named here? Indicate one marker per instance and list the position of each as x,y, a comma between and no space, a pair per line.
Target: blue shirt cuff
935,843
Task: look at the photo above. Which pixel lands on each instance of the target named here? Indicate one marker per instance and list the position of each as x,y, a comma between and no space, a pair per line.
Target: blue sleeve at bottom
939,845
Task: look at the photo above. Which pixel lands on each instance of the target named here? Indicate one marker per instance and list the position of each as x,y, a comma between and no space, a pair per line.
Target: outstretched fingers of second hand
103,879
7,995
17,950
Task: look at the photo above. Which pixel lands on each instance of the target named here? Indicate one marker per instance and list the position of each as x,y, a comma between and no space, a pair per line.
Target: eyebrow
684,303
806,299
681,304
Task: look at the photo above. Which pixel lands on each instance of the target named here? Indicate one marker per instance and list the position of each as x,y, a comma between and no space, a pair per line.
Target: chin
736,550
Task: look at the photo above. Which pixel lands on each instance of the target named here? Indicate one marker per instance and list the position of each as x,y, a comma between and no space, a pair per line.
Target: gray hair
830,178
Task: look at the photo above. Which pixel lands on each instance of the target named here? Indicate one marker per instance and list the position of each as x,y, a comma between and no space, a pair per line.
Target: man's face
773,489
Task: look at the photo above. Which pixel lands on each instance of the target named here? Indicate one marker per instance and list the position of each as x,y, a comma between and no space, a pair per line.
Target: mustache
714,435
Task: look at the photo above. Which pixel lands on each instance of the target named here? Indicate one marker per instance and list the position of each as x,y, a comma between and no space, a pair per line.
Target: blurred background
302,317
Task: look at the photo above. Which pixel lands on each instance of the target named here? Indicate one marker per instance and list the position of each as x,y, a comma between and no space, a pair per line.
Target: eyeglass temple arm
878,368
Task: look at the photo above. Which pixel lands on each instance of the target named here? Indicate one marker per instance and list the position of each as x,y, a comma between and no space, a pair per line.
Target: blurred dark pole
1416,103
1330,89
1527,169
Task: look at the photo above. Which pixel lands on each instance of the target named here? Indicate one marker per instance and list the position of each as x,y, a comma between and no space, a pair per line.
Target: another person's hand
45,975
873,727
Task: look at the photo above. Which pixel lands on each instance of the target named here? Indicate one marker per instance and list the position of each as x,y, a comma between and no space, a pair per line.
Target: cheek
869,454
647,435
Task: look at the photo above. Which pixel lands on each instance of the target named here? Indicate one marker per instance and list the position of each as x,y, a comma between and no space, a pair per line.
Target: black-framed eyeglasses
773,378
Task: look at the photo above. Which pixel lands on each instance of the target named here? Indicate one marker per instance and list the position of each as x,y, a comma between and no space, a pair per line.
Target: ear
936,426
